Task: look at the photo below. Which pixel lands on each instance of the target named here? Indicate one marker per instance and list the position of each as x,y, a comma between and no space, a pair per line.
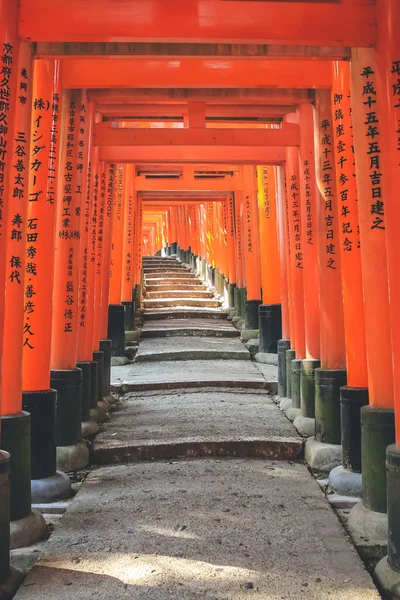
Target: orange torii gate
328,271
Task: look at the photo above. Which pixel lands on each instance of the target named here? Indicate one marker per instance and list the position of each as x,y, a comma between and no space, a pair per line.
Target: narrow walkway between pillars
199,489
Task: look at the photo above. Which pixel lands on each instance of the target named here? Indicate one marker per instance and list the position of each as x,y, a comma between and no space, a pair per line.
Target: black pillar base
393,500
307,386
94,384
351,401
377,432
129,315
68,384
16,440
290,355
232,295
295,368
98,357
251,313
327,404
42,408
236,300
225,286
105,347
217,280
4,516
174,248
242,301
116,329
85,367
213,276
283,346
270,326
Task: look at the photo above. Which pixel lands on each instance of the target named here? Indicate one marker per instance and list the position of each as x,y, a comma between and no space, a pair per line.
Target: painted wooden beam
199,21
288,135
194,73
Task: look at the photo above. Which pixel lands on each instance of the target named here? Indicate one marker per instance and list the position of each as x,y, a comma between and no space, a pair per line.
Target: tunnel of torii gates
257,141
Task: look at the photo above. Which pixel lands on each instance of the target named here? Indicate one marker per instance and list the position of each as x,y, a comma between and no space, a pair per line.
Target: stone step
189,330
172,281
169,269
171,265
179,294
125,387
199,302
151,258
166,262
167,275
191,348
168,287
202,373
196,423
182,313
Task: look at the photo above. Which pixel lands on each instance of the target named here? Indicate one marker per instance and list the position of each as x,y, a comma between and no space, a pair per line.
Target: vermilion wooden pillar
251,246
270,319
377,420
230,207
136,252
127,259
309,235
105,343
331,376
100,188
99,407
66,378
284,276
296,268
194,218
388,88
173,229
240,293
116,328
16,423
9,48
355,394
43,199
220,252
210,236
85,179
203,241
266,177
225,250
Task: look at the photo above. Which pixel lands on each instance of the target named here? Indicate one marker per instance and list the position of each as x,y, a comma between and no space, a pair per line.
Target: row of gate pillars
333,261
65,225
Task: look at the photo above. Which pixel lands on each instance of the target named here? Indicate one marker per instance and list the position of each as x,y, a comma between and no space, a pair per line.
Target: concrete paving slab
194,327
270,372
207,529
189,348
193,423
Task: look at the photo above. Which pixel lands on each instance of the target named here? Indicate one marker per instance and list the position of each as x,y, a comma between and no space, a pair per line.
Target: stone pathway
191,501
